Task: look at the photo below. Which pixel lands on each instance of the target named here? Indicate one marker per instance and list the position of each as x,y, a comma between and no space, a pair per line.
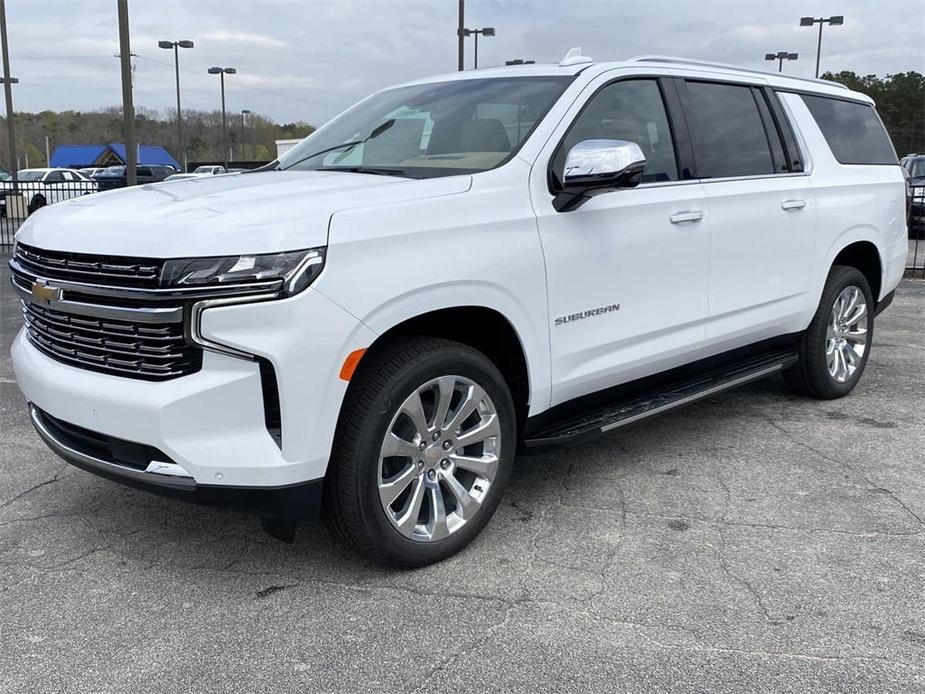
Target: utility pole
8,94
460,35
128,108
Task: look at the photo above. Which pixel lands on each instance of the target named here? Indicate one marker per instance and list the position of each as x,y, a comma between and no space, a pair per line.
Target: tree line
900,100
202,133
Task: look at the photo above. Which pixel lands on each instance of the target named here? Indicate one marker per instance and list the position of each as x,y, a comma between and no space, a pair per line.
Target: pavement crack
33,488
850,468
721,555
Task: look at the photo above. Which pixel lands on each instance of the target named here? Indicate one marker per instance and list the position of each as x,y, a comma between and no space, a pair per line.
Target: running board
620,413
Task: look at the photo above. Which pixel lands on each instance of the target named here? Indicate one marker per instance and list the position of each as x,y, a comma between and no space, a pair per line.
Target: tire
37,202
813,374
362,476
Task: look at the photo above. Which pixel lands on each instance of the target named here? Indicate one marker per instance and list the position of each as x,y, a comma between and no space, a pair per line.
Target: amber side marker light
351,363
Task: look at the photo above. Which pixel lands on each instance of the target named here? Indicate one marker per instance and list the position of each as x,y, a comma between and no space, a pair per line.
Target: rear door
762,211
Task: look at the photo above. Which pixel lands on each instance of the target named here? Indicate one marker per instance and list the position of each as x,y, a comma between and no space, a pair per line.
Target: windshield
430,130
113,171
204,169
918,168
30,175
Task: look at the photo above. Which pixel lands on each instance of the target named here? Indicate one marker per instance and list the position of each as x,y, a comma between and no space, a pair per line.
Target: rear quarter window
853,131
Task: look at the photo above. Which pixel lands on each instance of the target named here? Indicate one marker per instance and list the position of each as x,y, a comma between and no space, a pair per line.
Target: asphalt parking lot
755,542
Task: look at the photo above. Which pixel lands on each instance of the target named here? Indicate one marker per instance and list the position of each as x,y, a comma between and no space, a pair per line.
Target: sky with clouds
309,59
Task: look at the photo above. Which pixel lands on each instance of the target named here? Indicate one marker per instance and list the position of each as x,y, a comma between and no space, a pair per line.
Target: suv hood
267,212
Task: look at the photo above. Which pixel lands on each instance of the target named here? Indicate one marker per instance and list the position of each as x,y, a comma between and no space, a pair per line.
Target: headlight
292,271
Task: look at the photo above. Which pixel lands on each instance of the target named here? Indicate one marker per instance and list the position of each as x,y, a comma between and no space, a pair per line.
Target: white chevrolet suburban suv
451,271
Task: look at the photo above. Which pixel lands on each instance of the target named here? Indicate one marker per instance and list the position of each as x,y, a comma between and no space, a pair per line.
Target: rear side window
729,135
853,131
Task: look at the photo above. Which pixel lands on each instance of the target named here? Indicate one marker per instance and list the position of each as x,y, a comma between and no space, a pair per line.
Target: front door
627,270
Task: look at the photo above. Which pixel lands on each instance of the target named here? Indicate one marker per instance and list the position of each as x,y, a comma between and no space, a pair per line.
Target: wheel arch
865,256
481,327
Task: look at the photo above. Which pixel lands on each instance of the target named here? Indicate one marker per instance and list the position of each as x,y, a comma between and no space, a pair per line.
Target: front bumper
291,502
212,423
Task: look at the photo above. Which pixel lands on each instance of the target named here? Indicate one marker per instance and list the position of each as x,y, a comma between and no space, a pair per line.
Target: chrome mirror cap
602,162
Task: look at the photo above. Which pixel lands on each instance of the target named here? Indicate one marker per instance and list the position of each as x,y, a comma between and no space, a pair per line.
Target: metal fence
28,196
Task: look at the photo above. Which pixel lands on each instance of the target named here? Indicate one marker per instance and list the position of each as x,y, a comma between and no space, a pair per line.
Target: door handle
793,204
691,216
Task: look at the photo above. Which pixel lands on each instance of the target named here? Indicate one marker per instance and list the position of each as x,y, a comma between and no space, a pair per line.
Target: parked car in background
198,173
182,176
4,175
209,170
47,186
91,171
455,268
914,164
114,176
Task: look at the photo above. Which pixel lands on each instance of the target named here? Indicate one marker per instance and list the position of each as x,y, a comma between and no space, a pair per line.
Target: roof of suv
575,64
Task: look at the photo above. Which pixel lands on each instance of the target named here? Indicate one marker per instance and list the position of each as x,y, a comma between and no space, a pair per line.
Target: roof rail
726,66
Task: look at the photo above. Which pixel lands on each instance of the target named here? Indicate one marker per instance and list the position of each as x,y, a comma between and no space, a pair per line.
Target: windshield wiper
346,146
375,170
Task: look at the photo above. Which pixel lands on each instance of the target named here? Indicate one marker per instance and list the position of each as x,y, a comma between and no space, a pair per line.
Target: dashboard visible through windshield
430,130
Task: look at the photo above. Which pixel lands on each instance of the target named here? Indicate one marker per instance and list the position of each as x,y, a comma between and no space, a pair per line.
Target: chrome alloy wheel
439,458
846,336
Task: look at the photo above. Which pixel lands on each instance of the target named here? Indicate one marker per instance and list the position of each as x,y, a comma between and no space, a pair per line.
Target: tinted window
630,110
54,177
853,131
729,137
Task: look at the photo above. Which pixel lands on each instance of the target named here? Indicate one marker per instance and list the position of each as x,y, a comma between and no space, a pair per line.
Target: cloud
242,37
309,60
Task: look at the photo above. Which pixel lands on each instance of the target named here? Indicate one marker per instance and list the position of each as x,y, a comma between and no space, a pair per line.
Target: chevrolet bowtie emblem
44,292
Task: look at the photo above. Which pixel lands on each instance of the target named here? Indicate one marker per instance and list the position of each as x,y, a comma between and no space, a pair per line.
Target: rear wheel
835,348
422,453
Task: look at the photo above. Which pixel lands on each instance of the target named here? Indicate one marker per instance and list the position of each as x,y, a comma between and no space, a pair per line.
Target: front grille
123,348
117,271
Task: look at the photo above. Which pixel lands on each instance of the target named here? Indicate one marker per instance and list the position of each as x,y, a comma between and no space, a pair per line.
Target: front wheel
422,453
834,349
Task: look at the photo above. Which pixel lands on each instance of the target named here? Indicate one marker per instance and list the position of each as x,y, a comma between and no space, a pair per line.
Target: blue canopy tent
111,154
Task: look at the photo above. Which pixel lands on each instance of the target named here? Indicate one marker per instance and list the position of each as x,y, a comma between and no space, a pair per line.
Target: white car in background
199,172
47,186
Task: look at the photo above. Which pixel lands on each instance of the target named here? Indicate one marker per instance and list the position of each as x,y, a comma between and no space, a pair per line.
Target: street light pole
836,20
487,31
176,46
244,112
8,82
780,57
221,72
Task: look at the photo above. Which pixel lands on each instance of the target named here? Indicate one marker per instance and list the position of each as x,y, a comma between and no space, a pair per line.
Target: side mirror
598,164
